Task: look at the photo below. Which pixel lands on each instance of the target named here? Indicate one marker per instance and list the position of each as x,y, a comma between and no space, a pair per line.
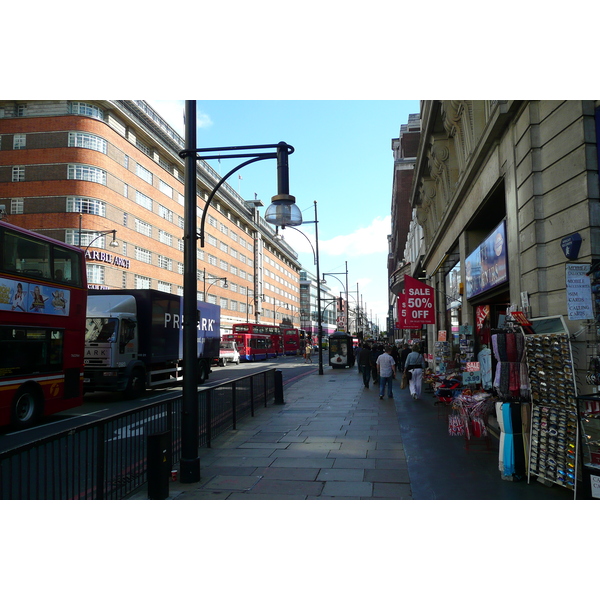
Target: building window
142,283
143,255
180,244
165,263
165,213
21,110
79,139
89,110
144,228
95,273
163,286
212,240
145,149
18,173
181,222
224,247
223,265
165,238
87,173
233,305
88,206
212,260
180,268
16,206
18,141
165,189
143,200
180,290
223,303
143,173
211,298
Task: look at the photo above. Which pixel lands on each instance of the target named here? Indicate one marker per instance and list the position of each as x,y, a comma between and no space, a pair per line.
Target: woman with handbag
414,366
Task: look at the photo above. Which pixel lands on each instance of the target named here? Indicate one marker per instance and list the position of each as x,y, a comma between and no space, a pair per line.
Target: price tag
473,366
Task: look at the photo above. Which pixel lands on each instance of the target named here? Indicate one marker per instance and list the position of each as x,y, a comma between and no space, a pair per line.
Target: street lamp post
345,288
214,280
113,243
284,207
315,249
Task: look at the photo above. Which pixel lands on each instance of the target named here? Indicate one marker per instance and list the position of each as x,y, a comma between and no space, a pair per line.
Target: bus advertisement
43,292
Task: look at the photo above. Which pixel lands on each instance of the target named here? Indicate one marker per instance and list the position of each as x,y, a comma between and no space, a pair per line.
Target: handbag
404,380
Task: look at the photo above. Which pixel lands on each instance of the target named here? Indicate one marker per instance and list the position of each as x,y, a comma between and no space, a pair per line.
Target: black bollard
159,465
279,387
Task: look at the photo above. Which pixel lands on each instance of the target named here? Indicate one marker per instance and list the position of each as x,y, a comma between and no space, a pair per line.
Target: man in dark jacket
405,352
364,363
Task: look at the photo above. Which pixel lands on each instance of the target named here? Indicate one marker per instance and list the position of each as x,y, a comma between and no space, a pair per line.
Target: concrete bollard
279,387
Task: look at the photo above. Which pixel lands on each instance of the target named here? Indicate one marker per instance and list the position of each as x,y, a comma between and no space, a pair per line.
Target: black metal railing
107,459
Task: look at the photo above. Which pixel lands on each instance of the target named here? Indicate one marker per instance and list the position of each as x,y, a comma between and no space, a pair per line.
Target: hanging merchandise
511,378
554,427
472,411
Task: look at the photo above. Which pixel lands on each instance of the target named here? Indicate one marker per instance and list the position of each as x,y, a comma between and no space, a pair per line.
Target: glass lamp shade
283,212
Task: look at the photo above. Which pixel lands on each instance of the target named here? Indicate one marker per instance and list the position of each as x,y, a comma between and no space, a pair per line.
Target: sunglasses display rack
589,419
554,434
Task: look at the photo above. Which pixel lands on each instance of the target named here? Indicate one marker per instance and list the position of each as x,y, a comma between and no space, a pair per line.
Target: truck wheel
222,362
136,385
26,407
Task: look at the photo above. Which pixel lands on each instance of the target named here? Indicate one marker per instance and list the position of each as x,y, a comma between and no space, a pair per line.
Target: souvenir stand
471,405
554,425
513,409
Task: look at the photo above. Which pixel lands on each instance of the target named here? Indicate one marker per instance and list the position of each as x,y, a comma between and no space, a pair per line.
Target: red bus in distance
258,328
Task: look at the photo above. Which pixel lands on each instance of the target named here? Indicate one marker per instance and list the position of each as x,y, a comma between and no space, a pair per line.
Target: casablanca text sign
419,297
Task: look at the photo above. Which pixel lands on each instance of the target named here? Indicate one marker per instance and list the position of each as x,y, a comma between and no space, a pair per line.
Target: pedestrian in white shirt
386,370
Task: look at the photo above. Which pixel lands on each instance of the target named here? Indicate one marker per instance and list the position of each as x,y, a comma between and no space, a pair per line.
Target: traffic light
340,304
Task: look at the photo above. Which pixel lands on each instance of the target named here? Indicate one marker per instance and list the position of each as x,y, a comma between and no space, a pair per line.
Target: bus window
66,266
26,255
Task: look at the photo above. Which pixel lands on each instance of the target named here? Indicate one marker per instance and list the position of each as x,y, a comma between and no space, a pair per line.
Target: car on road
228,352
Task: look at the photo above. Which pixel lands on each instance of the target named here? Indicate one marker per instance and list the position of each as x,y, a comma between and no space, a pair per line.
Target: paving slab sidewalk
332,439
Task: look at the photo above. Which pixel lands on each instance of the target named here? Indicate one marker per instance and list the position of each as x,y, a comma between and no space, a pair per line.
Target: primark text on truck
134,340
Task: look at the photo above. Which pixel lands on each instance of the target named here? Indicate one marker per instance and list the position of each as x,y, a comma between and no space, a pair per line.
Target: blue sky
342,159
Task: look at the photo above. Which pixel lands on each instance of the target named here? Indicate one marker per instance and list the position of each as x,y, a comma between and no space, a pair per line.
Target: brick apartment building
77,170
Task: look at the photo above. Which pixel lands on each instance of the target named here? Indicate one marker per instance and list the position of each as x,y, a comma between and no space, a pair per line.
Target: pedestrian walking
376,352
364,363
405,352
308,353
357,350
386,369
415,364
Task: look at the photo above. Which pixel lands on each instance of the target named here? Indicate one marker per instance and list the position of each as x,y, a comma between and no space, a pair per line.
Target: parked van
228,352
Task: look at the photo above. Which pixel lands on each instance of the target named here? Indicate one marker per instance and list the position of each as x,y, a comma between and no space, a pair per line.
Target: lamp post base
189,470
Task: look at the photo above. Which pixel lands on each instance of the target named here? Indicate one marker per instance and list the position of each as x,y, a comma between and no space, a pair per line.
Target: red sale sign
404,322
420,306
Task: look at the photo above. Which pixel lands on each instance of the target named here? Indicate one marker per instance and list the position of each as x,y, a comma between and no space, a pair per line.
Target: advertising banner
487,267
21,296
420,305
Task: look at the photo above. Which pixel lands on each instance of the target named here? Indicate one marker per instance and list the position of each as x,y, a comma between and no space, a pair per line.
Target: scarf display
510,379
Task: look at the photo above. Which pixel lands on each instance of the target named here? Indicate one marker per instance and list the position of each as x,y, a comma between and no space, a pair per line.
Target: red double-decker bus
251,346
43,292
293,341
271,330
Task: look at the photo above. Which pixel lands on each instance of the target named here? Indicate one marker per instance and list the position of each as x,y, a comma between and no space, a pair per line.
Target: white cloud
367,240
